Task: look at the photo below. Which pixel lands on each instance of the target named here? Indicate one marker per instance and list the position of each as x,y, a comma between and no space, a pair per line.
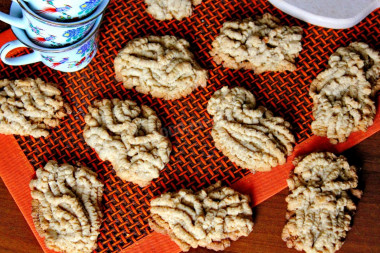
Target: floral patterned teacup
48,33
63,10
67,59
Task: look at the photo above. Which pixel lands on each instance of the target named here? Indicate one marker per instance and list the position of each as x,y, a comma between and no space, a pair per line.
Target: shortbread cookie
66,207
171,9
210,218
320,203
343,94
30,107
129,136
161,66
261,45
249,135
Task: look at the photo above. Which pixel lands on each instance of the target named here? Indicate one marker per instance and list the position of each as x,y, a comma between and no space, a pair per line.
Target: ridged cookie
161,66
66,207
30,107
249,135
343,94
129,136
320,203
210,218
171,9
261,45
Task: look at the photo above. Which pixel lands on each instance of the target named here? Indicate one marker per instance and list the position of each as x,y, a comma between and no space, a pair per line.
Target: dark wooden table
16,236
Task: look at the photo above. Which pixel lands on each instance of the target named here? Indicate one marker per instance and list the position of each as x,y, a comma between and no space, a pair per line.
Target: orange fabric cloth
16,172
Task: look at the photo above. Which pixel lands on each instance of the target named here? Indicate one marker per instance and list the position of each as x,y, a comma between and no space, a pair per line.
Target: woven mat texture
194,163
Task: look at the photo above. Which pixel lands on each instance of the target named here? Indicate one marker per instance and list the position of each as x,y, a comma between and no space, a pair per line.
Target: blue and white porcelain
67,59
63,10
48,33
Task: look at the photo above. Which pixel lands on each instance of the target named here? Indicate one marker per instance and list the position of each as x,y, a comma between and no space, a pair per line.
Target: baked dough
171,9
161,66
249,135
320,203
129,136
261,45
66,207
209,218
343,94
30,107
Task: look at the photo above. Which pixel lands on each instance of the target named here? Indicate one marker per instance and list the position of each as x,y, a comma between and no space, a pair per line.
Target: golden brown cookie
66,207
129,136
210,218
320,203
261,45
343,94
171,9
30,107
161,66
249,135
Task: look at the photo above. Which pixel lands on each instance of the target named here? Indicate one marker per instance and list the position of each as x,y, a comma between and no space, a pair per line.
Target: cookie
161,66
171,9
129,136
343,94
66,207
320,203
30,107
249,135
260,45
210,218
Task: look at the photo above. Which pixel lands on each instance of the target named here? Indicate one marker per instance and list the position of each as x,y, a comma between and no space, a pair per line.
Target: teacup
63,10
67,59
48,33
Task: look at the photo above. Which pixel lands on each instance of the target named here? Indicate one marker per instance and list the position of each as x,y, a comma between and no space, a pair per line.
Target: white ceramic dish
337,14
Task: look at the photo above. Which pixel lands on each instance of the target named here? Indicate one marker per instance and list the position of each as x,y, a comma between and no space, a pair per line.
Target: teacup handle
11,20
20,60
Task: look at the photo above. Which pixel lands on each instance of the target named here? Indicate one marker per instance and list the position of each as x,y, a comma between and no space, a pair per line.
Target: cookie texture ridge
210,218
161,66
129,136
261,45
30,107
343,94
249,135
321,204
171,9
66,207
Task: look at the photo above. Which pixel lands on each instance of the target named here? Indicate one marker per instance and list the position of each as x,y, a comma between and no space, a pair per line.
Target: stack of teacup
62,33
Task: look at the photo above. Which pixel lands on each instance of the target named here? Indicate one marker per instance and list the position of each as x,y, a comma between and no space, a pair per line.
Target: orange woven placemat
194,163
